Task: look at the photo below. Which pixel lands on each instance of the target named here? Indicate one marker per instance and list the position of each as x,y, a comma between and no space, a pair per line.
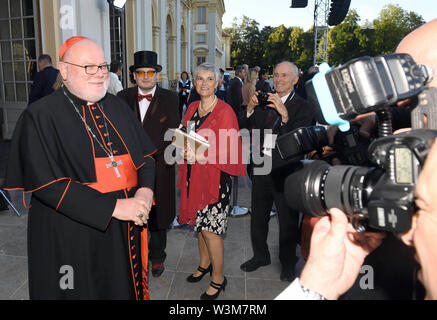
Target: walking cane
10,203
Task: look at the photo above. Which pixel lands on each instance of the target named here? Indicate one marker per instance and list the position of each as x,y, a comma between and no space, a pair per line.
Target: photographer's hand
367,123
279,106
336,255
253,102
331,132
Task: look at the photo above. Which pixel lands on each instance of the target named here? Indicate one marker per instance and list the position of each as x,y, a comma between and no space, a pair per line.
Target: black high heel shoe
217,286
204,271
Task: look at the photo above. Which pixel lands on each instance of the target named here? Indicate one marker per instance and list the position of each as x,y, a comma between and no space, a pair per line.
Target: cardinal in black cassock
78,158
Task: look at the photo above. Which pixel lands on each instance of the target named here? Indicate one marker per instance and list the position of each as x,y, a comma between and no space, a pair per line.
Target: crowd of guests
101,175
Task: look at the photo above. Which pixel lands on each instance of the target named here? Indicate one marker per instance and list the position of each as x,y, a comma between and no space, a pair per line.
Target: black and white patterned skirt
214,217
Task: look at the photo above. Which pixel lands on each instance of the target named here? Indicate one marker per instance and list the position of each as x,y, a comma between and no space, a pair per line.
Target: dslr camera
349,147
262,99
263,96
301,141
378,198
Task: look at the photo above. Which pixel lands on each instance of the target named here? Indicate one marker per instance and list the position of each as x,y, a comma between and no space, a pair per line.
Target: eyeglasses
92,69
142,74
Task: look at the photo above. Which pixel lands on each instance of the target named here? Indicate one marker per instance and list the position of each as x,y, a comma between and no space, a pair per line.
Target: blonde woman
249,86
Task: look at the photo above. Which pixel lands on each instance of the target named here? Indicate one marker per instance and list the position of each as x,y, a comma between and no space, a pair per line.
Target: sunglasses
142,74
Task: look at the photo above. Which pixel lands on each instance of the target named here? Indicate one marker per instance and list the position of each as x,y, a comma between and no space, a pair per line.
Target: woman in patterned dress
205,177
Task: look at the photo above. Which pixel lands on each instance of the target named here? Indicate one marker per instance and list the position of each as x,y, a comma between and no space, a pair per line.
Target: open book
181,137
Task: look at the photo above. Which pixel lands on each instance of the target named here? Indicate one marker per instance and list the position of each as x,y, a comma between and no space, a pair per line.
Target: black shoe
252,265
287,275
217,286
204,271
157,269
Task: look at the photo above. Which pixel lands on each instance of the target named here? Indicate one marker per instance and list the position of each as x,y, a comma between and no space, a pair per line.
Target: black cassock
76,250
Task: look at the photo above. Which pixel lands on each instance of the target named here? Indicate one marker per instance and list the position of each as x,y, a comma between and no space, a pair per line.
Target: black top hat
145,59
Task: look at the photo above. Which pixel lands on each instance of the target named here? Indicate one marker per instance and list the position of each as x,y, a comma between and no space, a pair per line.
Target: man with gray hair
285,112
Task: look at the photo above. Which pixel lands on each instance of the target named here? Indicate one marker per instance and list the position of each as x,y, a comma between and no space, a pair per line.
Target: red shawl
227,157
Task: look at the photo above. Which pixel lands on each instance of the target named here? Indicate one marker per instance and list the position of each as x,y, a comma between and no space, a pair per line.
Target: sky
276,12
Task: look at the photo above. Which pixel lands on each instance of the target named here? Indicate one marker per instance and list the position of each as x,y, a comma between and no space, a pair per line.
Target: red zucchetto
68,44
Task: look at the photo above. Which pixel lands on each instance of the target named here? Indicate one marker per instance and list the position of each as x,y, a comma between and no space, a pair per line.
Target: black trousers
182,100
157,244
264,193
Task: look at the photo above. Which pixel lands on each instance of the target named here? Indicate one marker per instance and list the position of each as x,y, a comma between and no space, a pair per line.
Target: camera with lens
263,96
301,141
378,198
375,198
350,147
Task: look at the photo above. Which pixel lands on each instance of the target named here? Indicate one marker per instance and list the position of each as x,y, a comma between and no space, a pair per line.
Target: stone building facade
184,33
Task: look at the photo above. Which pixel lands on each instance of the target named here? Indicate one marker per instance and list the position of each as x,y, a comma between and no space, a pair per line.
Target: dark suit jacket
43,83
300,114
162,115
235,95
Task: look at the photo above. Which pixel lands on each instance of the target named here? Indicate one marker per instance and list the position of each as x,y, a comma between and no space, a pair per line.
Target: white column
144,33
139,25
162,55
148,34
190,33
178,50
89,19
211,36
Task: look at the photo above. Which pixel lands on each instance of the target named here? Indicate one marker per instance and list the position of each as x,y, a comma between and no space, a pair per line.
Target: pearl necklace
209,107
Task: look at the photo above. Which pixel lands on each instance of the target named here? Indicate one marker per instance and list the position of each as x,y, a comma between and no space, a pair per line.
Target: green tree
345,40
277,48
264,36
392,24
301,45
246,45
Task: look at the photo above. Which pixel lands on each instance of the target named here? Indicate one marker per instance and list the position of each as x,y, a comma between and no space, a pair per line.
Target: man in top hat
157,110
88,166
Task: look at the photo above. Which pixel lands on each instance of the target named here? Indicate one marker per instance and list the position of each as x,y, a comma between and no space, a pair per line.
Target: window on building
201,14
117,29
201,60
201,38
18,49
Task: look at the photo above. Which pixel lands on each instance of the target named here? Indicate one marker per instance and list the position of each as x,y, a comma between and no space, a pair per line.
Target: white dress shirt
114,84
144,104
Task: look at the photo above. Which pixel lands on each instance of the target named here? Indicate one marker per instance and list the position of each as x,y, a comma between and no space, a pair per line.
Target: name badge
269,143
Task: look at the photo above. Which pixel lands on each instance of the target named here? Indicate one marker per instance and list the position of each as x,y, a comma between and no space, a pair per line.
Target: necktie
147,96
271,118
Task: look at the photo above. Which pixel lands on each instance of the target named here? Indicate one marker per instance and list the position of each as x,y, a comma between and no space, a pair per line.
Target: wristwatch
310,294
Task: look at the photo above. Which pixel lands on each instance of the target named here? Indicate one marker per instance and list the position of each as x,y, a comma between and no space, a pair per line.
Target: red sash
107,180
